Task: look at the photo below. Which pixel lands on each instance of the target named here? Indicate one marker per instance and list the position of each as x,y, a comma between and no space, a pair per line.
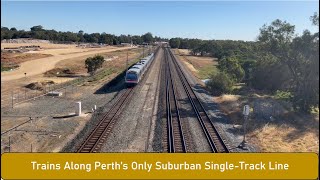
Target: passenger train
135,73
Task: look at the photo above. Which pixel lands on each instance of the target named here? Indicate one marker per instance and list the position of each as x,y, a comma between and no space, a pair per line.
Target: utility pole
127,63
9,144
143,51
12,99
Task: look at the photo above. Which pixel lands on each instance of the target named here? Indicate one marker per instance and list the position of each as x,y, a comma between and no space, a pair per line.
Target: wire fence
19,95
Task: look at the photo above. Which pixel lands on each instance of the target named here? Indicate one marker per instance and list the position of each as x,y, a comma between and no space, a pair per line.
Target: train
135,73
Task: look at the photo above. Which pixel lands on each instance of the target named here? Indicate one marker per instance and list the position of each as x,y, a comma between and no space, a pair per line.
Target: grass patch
8,67
283,95
3,68
101,74
206,72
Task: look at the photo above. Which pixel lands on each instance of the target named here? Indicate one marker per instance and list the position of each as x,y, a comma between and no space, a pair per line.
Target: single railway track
216,142
98,136
175,136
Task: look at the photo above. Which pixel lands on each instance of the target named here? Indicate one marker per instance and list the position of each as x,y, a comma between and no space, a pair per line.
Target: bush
220,83
94,63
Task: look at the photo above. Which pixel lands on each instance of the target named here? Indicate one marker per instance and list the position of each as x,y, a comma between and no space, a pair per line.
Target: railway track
98,136
96,139
216,142
176,140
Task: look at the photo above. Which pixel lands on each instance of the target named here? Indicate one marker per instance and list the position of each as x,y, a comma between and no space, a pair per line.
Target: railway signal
246,112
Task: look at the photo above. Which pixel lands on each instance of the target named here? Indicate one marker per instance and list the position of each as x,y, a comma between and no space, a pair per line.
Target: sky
235,20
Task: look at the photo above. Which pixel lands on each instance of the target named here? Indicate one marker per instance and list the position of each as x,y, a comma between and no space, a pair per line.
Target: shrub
220,83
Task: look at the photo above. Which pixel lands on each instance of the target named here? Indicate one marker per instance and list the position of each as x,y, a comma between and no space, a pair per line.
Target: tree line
280,60
38,32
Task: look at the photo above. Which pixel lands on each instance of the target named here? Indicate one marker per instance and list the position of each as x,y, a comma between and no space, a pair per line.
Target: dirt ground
112,66
48,134
17,58
273,126
42,45
59,53
77,64
40,135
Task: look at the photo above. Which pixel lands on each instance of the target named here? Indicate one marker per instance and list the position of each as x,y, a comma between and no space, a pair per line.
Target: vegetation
38,32
94,63
231,66
279,61
206,72
4,68
220,83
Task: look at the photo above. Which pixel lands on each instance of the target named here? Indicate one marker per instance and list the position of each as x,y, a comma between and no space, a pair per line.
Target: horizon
216,20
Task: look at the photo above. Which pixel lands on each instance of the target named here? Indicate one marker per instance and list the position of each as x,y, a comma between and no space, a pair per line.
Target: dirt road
39,66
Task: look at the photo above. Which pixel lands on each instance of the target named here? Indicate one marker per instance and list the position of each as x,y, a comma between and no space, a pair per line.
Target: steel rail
216,142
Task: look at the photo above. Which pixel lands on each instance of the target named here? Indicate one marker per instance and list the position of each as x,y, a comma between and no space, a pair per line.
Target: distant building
126,44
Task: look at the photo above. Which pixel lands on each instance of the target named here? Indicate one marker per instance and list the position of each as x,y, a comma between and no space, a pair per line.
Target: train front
132,77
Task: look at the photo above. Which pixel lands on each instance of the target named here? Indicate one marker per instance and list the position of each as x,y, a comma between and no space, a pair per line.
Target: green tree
147,38
231,66
220,83
269,74
184,44
37,28
299,55
315,19
174,42
94,63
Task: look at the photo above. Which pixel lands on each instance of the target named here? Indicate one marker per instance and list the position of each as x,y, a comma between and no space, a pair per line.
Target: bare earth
39,66
47,134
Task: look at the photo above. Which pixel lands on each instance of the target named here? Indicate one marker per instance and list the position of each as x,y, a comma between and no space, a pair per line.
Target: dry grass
283,138
289,132
41,44
18,58
76,65
201,67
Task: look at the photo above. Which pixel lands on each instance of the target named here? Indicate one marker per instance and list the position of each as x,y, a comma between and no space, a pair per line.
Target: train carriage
136,72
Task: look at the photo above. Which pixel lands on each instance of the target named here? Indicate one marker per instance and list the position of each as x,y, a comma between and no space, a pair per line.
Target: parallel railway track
215,140
176,140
